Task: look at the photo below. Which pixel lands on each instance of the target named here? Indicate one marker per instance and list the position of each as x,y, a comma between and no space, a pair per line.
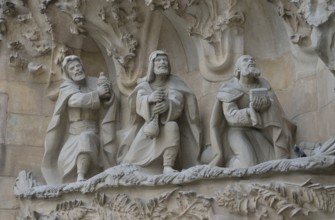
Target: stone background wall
302,82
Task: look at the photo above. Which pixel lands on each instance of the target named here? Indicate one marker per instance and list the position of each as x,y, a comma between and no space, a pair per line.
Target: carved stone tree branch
313,21
218,28
25,36
125,32
299,30
7,9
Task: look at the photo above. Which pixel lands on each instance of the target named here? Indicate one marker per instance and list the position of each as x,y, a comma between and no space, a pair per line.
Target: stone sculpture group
247,127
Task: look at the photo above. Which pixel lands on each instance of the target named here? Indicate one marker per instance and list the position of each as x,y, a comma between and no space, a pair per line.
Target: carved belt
79,126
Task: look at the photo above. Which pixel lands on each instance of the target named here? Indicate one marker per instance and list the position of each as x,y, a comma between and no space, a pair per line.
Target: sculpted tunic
243,137
179,129
83,112
144,150
81,123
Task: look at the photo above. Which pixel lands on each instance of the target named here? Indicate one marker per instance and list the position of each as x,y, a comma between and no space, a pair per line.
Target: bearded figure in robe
248,125
164,121
81,137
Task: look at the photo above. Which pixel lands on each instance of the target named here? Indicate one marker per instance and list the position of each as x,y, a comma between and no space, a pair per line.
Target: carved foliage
118,207
316,12
207,19
183,205
24,38
165,4
190,205
15,60
125,19
277,200
3,27
24,183
314,20
299,30
71,210
7,9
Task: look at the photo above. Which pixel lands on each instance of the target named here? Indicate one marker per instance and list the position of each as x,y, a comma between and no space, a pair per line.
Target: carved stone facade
292,42
200,192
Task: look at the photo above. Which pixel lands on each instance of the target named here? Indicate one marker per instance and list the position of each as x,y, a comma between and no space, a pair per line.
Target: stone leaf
120,207
192,206
157,207
24,183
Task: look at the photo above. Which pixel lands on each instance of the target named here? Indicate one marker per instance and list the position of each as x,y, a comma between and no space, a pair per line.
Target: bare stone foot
80,178
168,169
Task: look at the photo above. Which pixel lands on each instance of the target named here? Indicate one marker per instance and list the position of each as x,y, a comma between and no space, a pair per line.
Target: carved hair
150,74
67,60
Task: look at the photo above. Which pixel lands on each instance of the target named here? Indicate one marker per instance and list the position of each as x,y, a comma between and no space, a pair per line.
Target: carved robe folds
81,123
179,127
243,137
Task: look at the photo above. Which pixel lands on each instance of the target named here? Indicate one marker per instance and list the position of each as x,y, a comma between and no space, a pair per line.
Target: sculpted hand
104,91
156,96
256,104
261,104
161,107
266,103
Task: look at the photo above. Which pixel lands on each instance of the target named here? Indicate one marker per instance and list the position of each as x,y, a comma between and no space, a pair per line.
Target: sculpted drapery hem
188,122
59,125
275,144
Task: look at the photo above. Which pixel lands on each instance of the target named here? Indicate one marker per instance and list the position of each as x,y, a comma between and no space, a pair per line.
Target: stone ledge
131,175
302,188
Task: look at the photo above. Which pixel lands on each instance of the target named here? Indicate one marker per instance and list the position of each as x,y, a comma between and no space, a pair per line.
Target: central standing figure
165,120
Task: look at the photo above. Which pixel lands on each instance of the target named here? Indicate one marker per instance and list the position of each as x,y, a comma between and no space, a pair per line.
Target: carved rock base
273,190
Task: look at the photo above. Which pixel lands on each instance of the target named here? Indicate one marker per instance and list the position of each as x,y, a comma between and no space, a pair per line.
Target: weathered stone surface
308,133
305,61
325,85
264,33
323,115
305,95
276,71
26,129
3,116
33,94
8,214
13,160
8,201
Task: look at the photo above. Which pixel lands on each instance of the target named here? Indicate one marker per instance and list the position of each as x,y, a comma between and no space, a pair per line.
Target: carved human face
248,67
76,71
161,65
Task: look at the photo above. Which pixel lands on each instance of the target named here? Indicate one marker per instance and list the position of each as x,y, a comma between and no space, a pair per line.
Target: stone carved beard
250,71
162,71
79,76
